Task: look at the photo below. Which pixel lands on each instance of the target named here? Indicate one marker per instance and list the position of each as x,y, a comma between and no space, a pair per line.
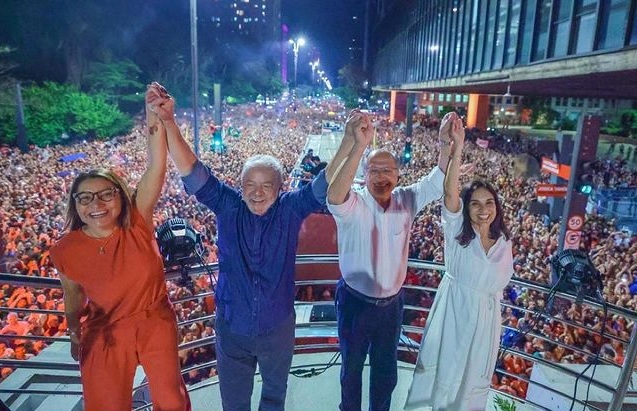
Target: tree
542,115
628,123
354,85
353,77
7,96
5,65
117,81
55,109
349,96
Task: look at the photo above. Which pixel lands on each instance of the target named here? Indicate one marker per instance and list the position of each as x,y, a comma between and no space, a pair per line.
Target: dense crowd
34,187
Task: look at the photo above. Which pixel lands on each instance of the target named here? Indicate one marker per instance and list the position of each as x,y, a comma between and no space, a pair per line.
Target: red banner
555,168
550,166
550,190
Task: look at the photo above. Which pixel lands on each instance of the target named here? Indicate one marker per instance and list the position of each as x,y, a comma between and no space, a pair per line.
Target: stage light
572,272
179,243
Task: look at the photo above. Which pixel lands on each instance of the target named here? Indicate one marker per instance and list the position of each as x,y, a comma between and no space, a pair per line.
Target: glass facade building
423,41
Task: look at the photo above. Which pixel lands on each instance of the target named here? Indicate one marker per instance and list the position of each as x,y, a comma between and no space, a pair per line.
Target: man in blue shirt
258,228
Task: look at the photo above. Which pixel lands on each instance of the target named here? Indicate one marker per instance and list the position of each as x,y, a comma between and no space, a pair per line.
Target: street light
314,65
296,45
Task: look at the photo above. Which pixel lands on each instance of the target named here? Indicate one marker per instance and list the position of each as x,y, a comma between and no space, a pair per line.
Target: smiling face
381,175
260,187
482,208
99,216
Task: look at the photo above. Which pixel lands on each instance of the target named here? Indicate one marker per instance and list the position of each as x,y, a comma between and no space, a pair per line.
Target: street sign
550,166
550,190
575,222
555,168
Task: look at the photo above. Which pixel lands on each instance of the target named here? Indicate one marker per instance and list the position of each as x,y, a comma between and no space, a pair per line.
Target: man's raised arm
340,184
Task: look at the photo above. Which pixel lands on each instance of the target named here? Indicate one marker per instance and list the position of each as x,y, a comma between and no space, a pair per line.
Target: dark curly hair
497,228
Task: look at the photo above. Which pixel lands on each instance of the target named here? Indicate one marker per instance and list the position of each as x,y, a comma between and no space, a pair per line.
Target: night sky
328,26
151,32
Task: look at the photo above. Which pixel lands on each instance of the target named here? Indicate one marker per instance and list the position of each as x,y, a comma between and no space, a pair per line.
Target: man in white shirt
373,242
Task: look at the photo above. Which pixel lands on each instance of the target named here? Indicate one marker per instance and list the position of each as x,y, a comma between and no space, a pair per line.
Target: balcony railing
613,386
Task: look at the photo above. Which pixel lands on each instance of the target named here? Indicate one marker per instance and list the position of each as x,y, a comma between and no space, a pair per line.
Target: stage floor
317,393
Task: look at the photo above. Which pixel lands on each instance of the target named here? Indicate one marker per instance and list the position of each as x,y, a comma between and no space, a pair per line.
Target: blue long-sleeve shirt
255,289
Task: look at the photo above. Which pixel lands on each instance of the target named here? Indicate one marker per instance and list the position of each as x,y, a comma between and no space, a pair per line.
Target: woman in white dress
460,342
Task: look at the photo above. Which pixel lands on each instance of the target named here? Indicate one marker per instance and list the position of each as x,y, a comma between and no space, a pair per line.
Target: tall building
248,29
257,20
582,49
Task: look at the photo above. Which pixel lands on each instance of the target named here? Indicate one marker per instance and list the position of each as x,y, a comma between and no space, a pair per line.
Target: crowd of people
32,219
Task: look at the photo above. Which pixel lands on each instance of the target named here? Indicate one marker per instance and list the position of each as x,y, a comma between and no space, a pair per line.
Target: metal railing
619,203
617,392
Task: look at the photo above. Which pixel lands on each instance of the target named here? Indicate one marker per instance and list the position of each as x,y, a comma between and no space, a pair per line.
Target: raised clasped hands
456,130
445,127
159,103
360,127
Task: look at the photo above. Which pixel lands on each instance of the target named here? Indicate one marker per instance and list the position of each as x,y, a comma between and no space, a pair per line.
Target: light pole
195,73
314,65
296,45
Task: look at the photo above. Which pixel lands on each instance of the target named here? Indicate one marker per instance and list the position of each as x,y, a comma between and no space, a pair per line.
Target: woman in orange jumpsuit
115,297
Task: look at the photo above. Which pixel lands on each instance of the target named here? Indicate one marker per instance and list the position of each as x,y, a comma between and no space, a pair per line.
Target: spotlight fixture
572,272
179,243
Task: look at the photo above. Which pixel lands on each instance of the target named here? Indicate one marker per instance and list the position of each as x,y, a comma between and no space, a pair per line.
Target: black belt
378,302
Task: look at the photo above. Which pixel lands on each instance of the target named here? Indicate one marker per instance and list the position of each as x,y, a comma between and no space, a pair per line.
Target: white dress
460,342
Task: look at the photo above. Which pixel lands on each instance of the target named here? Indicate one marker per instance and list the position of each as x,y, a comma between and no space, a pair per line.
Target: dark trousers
237,358
365,328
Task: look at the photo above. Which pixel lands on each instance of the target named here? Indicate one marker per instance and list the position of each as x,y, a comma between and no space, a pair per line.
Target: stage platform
317,393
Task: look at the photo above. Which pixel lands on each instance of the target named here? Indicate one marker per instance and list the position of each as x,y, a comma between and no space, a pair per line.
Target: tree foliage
354,85
117,81
542,115
54,110
628,123
5,65
349,96
624,125
353,77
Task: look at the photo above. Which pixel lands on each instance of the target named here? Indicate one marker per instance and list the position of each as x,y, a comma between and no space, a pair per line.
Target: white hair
263,160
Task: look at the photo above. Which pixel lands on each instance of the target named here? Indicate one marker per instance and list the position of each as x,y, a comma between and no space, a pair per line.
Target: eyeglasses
385,170
87,197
